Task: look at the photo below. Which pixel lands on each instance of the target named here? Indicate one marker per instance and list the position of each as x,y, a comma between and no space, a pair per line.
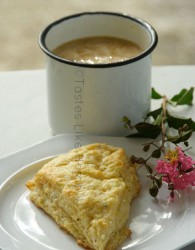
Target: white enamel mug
93,98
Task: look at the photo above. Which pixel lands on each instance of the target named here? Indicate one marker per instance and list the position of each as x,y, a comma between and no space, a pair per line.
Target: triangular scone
88,193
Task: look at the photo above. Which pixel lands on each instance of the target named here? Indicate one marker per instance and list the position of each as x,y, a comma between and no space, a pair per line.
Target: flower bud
146,147
153,191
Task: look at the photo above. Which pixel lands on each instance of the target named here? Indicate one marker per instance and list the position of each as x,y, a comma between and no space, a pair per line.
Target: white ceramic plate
156,224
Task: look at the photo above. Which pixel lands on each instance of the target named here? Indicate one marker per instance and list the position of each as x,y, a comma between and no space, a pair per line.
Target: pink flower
177,169
186,161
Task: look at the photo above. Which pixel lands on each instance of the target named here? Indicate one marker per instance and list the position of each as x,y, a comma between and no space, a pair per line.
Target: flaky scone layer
88,192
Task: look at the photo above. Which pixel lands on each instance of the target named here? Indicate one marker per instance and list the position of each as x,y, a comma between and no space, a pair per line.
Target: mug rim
140,21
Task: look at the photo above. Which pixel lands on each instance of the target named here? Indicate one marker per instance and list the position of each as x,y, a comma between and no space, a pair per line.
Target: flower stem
164,114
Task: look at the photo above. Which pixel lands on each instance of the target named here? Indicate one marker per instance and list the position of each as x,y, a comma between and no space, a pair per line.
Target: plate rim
42,144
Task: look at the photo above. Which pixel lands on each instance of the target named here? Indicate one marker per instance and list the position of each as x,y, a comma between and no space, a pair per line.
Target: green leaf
177,139
148,168
185,97
155,113
158,182
186,135
178,122
148,130
138,135
186,143
155,94
125,119
156,153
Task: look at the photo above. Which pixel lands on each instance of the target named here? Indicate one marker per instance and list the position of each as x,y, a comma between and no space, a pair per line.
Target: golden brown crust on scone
88,193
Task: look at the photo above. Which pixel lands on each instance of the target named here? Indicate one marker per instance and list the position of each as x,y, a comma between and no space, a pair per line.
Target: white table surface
23,103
